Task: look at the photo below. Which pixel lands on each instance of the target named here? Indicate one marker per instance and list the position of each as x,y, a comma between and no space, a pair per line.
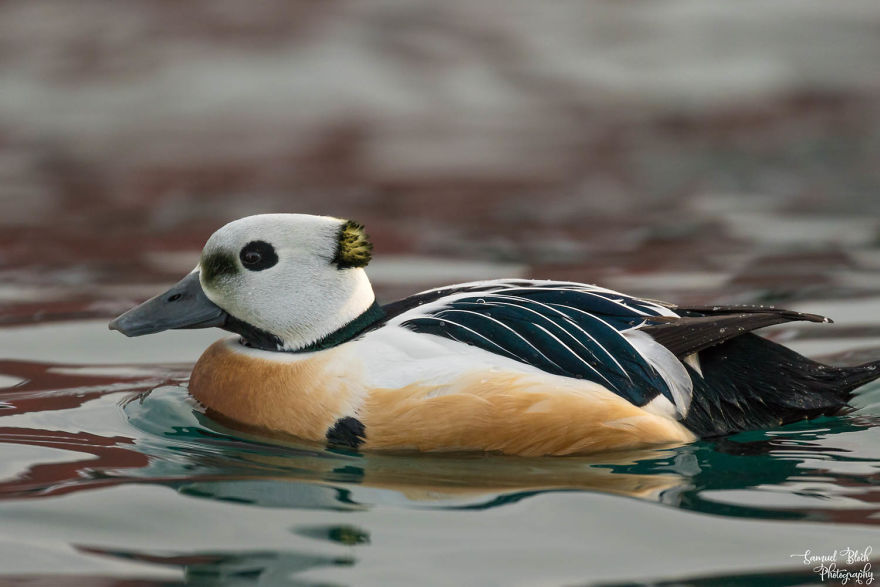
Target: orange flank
512,413
521,414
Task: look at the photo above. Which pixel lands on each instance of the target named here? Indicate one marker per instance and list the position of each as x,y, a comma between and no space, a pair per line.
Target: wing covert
569,330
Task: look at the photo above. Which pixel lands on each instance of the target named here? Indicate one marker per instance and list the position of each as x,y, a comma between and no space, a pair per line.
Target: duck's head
281,281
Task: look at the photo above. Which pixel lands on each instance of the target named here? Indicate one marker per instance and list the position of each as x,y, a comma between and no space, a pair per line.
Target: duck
513,366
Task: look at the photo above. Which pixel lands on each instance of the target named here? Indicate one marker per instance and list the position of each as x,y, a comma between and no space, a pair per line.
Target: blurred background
696,151
688,150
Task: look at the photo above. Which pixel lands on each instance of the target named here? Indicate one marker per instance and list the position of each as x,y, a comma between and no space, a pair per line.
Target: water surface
110,471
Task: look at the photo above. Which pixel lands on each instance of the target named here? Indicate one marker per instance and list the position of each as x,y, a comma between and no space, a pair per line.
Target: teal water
110,473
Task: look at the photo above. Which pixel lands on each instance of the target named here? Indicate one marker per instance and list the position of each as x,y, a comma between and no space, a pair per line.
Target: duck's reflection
174,443
265,567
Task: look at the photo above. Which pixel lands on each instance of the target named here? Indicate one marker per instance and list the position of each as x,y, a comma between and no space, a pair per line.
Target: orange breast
299,397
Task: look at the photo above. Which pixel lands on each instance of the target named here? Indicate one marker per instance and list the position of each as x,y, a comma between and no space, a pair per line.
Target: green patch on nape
354,248
216,265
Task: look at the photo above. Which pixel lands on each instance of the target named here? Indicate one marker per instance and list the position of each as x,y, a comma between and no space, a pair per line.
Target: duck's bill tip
185,305
114,325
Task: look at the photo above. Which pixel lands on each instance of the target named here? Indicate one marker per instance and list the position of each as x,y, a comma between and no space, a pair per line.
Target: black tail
750,383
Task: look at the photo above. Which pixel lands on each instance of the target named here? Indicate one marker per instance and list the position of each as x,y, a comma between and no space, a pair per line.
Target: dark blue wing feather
524,315
560,329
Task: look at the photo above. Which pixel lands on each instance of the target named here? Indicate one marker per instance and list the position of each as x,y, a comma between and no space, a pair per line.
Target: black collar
359,325
260,339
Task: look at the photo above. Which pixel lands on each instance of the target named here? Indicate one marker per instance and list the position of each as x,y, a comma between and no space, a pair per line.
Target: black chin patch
253,336
348,432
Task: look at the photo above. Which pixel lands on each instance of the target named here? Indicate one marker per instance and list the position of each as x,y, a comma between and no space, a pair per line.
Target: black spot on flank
258,255
217,265
348,432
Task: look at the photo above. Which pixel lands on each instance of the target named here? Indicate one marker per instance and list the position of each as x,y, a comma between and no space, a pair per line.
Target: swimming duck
513,366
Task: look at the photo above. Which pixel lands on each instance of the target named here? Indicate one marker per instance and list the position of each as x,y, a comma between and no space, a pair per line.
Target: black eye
258,255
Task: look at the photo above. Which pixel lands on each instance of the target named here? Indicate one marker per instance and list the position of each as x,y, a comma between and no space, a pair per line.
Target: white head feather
302,297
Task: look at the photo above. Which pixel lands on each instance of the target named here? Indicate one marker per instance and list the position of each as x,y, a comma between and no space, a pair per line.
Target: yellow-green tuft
354,248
